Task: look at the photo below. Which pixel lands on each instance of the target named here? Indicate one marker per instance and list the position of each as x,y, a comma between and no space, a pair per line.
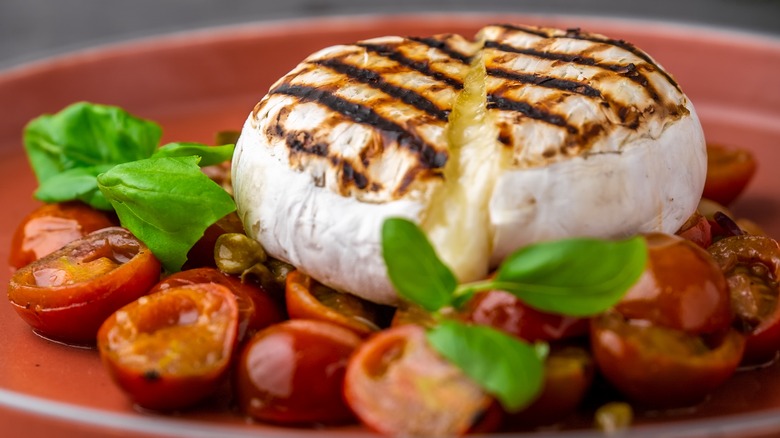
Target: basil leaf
87,135
413,267
506,367
578,277
209,155
75,184
166,202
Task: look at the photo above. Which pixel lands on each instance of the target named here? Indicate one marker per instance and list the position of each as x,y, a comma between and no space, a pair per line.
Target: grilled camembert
522,135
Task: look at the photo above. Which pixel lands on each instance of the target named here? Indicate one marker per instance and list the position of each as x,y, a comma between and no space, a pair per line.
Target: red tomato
171,349
67,294
398,386
682,288
729,170
568,374
697,229
256,308
293,372
661,367
752,268
308,299
506,312
52,226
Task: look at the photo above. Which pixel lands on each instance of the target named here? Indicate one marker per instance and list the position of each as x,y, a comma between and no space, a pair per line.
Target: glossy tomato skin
52,226
383,381
729,170
752,268
659,367
307,299
509,314
67,294
257,309
171,349
293,373
682,288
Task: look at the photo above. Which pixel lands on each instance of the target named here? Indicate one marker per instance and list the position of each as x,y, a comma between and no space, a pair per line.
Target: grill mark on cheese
430,158
545,81
391,52
442,46
375,80
497,101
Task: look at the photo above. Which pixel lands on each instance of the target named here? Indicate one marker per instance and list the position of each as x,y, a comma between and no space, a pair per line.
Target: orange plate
199,82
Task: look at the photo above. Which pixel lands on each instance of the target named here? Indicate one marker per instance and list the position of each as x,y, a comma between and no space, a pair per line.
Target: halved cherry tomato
568,374
752,268
661,367
697,229
508,313
293,372
171,349
52,226
256,308
308,299
682,288
67,294
729,170
397,385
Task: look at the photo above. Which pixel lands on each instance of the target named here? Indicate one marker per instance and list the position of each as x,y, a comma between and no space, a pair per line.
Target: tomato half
660,367
67,294
306,298
752,268
256,308
293,373
508,313
397,385
729,170
171,349
52,226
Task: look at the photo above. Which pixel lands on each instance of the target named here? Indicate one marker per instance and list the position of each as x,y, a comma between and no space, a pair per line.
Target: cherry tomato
397,385
569,373
202,253
52,226
729,170
508,313
682,288
293,373
661,367
171,349
67,294
752,268
306,298
697,229
256,308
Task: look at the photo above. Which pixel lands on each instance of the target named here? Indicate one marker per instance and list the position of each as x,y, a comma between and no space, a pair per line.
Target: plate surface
199,82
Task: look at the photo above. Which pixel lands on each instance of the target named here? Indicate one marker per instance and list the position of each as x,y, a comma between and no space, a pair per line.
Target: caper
235,253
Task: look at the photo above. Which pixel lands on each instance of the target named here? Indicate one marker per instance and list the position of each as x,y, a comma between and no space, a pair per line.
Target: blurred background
34,29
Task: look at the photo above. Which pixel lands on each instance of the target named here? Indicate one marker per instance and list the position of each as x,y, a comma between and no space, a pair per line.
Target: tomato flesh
52,226
171,349
257,309
67,294
752,268
397,385
293,373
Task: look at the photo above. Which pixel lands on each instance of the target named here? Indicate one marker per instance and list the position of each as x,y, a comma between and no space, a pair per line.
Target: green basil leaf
209,155
506,367
413,267
87,135
166,202
578,277
75,184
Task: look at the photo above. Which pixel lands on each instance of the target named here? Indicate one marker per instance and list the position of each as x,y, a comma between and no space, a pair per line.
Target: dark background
33,29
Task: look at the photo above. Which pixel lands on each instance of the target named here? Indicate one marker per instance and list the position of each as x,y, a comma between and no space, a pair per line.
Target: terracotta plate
197,83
